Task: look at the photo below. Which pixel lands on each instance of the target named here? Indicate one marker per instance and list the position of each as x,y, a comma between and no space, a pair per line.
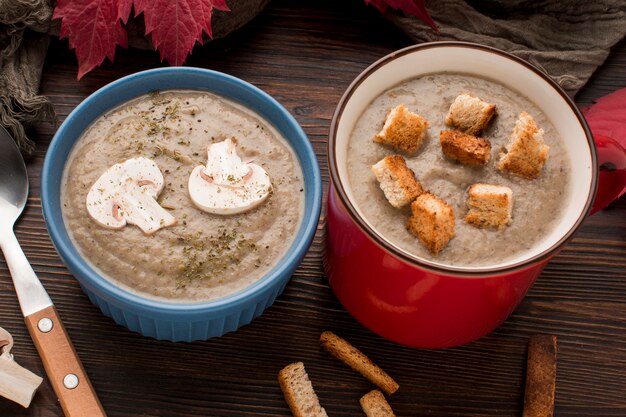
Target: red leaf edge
415,8
607,116
196,19
93,29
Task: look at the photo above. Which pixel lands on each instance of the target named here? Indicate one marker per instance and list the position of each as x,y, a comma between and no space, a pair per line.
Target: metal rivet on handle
45,325
70,381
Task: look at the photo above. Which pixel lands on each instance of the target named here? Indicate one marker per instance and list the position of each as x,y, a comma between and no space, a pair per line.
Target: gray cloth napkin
22,55
568,40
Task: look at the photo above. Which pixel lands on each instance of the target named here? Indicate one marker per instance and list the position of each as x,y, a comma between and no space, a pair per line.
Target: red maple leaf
608,116
93,28
123,9
176,25
607,120
415,8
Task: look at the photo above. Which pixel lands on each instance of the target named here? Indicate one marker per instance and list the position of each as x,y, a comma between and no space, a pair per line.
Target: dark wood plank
305,55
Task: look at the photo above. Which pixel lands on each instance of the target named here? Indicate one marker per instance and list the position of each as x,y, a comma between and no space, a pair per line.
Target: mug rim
414,260
87,275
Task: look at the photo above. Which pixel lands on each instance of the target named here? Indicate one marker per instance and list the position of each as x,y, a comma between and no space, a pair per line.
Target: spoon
64,369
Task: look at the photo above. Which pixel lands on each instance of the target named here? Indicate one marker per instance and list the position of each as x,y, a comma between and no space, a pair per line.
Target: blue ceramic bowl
176,321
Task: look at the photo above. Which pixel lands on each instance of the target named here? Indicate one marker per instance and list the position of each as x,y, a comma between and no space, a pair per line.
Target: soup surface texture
203,256
537,203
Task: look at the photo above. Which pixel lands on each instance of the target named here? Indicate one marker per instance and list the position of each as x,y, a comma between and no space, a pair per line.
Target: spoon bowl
14,184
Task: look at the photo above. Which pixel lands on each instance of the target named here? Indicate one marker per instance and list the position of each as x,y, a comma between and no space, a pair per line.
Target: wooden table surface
305,56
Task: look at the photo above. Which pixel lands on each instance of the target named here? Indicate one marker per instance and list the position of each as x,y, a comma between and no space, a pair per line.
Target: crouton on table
403,130
298,391
374,404
489,205
470,114
397,180
540,376
355,359
467,149
526,152
432,222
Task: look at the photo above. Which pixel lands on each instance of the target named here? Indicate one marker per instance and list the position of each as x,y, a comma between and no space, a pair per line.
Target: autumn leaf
415,8
607,120
93,28
608,116
176,25
123,9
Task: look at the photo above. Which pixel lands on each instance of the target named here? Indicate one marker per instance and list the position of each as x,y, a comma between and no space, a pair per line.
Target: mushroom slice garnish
227,185
126,193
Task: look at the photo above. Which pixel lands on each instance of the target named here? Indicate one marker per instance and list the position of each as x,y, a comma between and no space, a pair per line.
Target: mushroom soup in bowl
202,256
182,200
536,204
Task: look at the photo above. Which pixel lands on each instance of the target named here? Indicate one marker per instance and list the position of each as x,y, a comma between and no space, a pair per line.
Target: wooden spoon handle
64,369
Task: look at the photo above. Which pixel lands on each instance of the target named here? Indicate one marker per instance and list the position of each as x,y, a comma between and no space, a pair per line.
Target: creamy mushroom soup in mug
517,199
182,195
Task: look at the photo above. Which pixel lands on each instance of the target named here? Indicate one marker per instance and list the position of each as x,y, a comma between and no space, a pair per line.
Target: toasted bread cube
470,114
403,130
374,404
432,222
526,152
467,149
298,391
397,180
489,205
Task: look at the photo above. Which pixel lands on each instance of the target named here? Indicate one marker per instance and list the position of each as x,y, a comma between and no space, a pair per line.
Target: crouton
526,152
298,391
467,149
355,359
540,376
470,114
403,130
432,222
374,404
397,180
489,205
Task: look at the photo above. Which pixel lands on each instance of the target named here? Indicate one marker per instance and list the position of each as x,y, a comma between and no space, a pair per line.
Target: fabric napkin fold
568,40
22,55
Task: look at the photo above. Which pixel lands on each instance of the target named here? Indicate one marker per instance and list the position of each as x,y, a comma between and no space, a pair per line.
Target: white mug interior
493,65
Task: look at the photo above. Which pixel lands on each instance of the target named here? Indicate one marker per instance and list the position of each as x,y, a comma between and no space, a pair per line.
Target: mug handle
612,178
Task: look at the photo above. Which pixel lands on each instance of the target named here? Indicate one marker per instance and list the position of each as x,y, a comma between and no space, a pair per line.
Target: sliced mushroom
126,193
16,383
227,185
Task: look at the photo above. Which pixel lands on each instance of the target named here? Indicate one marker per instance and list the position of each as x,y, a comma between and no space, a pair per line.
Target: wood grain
306,54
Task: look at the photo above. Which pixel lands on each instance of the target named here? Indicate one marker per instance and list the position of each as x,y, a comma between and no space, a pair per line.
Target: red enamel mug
421,303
